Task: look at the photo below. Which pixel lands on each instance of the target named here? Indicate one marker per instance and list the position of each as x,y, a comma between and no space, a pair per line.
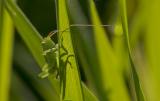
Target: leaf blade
138,88
108,61
73,92
7,36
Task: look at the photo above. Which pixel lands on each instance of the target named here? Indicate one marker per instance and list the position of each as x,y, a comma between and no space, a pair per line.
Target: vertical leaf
1,19
111,72
30,36
138,89
6,56
71,85
152,48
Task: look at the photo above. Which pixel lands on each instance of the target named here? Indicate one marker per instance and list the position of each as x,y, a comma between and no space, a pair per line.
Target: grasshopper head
47,43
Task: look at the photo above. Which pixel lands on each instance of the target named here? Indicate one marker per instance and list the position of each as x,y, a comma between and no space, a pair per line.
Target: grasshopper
51,53
53,59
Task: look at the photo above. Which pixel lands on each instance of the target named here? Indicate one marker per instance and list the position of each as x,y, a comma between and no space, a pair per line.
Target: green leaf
7,36
1,19
71,84
76,36
138,23
152,48
88,95
30,36
138,89
111,72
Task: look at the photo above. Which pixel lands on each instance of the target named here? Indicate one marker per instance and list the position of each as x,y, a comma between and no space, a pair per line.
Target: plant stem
7,37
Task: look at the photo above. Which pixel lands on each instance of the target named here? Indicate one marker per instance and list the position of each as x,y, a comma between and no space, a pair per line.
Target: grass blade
28,32
138,89
71,77
1,15
152,48
7,37
88,95
108,62
30,36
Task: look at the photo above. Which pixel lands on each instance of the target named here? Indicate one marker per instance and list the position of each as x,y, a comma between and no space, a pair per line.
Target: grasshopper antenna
110,27
77,25
52,33
85,25
89,25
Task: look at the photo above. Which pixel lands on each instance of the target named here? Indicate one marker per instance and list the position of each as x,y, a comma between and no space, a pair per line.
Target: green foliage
29,34
138,89
26,30
7,37
152,48
68,65
107,61
94,62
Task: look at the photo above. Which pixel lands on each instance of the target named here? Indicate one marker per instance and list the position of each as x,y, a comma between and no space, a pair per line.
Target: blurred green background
144,33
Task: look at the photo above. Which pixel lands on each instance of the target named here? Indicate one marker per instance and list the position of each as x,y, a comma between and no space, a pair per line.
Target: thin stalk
7,37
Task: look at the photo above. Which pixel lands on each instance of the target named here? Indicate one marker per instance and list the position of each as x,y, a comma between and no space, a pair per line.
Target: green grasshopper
51,53
53,59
